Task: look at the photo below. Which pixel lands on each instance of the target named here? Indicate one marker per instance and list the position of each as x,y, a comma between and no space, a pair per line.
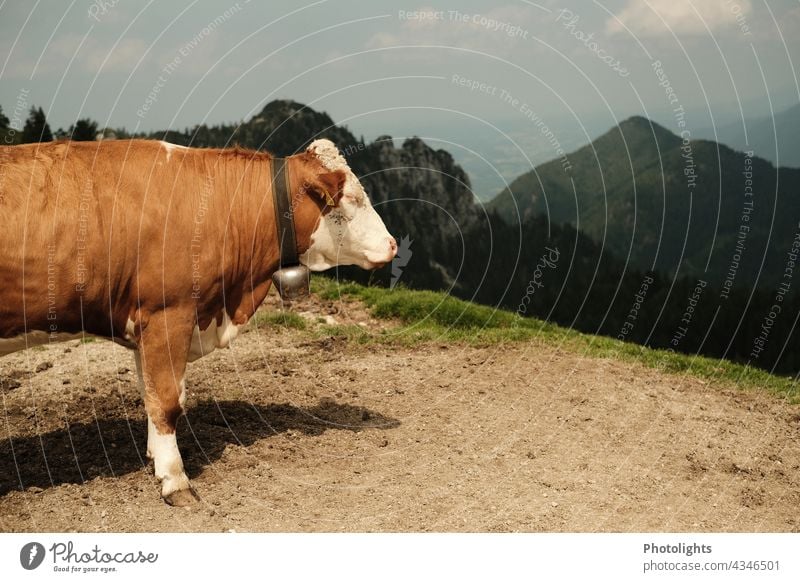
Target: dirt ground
285,432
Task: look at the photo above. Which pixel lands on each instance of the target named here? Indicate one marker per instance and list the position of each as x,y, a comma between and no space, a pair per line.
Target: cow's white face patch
352,233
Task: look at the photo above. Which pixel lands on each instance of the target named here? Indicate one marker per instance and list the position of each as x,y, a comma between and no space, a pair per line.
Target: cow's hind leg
163,349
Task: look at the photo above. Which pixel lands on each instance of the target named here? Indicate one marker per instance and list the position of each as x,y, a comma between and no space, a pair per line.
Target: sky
512,82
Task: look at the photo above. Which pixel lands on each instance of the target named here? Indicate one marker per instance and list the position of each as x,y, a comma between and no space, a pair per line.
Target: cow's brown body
146,244
96,235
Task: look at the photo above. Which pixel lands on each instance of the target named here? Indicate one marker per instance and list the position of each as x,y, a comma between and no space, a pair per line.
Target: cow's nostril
393,245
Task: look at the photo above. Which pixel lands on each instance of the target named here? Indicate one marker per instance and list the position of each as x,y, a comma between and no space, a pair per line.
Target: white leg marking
182,395
163,448
168,463
151,428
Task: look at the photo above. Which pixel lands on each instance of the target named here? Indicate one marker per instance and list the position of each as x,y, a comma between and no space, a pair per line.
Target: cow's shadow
113,447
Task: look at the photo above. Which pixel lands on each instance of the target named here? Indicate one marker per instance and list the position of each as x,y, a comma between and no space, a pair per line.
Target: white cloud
121,58
681,17
36,59
87,55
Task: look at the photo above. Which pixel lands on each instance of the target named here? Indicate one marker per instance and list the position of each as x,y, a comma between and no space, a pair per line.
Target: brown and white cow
166,250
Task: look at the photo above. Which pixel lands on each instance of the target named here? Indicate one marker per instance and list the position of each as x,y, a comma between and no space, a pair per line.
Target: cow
166,250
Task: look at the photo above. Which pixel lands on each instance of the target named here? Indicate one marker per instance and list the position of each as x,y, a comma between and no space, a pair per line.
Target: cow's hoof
182,498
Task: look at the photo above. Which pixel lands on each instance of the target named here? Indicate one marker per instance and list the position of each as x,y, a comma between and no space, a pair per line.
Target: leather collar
284,214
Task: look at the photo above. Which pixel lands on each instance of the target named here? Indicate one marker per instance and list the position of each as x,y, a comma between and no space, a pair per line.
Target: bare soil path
290,433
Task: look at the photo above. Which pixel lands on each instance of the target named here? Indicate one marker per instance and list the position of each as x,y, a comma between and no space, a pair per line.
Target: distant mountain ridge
774,138
698,208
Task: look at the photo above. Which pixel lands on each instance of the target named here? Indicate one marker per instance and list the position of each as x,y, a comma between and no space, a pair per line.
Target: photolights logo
400,260
31,555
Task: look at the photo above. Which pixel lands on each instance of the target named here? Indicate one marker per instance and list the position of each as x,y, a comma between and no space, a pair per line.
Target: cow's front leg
151,428
163,350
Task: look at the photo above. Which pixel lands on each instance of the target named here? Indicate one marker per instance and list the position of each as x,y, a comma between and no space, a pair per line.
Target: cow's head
349,231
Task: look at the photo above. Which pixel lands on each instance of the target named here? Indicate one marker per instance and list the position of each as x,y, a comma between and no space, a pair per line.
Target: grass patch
426,308
428,316
353,333
286,319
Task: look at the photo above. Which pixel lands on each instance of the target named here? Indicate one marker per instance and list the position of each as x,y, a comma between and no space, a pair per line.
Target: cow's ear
330,186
